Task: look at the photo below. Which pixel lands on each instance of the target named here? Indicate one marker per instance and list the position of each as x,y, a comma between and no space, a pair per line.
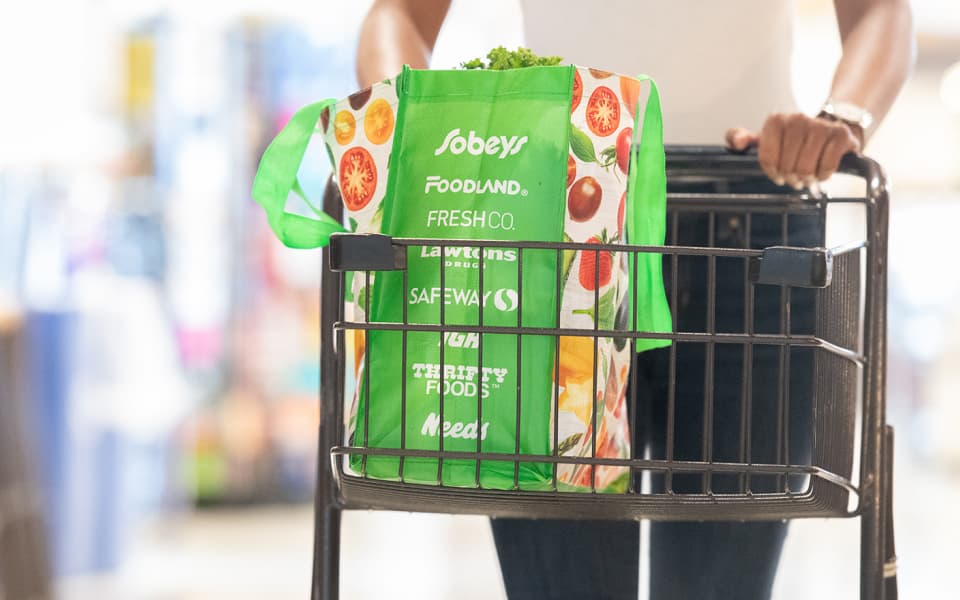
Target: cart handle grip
723,162
792,266
367,252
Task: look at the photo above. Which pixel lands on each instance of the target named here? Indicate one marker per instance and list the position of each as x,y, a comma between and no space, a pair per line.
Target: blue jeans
558,559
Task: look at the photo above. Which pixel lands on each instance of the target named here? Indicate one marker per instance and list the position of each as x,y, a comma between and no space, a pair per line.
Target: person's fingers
839,142
794,135
740,139
797,150
768,147
818,132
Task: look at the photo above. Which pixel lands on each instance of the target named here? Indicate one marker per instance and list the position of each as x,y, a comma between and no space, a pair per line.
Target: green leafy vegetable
362,298
568,256
608,157
604,313
618,485
581,145
568,444
501,59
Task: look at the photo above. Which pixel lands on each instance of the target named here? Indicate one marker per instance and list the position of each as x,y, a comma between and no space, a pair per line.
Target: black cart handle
722,162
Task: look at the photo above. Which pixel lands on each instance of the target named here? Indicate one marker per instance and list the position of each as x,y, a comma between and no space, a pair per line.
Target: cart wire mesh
769,471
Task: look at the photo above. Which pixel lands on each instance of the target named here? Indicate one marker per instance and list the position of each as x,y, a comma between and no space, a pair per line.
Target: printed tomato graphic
630,91
624,139
344,127
620,214
583,201
571,169
358,99
603,111
378,122
594,274
358,178
325,119
577,90
600,73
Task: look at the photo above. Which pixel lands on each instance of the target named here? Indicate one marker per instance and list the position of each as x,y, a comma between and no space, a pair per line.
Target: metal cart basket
827,449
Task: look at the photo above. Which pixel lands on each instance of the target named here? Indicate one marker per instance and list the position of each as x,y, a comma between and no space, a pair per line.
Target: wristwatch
857,117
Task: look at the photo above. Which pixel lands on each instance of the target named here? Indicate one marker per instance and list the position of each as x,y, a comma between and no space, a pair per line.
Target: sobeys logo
476,145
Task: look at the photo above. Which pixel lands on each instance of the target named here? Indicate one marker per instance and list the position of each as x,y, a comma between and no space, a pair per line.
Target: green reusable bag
480,155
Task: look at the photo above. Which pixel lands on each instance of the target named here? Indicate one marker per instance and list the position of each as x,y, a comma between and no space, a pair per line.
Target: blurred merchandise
924,328
24,563
173,347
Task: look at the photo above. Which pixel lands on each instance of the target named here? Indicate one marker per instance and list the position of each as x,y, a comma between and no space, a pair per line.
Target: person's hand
796,149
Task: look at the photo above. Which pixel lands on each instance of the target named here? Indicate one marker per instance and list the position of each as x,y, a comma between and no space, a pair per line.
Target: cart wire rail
802,342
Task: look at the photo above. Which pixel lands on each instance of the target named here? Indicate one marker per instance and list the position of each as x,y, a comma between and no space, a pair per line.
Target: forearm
396,32
878,52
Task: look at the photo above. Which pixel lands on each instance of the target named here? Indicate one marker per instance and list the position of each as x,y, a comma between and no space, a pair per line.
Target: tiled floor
265,553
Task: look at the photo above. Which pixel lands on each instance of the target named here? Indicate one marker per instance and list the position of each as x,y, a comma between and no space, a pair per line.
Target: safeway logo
504,299
476,145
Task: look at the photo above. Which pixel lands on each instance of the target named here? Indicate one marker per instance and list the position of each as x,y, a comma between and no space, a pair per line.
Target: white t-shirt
718,63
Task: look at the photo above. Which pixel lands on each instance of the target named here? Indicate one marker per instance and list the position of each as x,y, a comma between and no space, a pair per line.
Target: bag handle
647,182
277,177
647,177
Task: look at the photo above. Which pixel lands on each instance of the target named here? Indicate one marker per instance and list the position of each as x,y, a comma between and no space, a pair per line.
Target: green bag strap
277,177
648,176
646,225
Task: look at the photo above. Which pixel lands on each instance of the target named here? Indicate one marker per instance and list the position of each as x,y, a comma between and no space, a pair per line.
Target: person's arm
398,32
878,52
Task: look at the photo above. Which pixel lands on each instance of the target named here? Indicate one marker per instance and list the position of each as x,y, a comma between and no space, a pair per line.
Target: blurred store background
162,347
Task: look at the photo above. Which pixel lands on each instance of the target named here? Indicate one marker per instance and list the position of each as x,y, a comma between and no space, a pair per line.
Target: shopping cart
842,466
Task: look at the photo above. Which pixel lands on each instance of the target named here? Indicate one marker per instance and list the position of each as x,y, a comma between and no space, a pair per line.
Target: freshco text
488,219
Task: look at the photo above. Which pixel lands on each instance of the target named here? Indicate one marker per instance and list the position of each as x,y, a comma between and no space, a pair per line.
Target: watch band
848,113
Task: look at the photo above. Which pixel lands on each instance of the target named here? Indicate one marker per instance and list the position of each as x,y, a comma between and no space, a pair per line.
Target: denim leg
599,559
713,560
717,560
559,559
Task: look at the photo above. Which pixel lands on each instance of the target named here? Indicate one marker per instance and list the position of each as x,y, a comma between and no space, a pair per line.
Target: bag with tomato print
546,153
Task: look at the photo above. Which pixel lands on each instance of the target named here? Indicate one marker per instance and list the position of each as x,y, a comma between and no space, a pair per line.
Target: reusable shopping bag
548,154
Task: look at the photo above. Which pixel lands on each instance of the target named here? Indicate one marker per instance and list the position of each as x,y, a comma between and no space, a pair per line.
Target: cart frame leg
872,541
874,475
878,551
326,547
890,551
326,562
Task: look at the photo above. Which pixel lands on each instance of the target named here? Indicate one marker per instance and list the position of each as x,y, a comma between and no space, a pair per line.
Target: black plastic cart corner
848,469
